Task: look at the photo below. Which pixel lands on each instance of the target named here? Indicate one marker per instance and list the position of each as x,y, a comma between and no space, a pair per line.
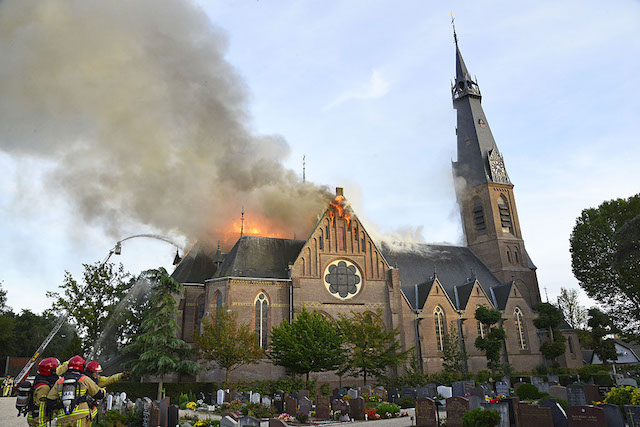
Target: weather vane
453,24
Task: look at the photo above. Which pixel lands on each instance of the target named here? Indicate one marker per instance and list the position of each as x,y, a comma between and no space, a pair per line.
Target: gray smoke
135,104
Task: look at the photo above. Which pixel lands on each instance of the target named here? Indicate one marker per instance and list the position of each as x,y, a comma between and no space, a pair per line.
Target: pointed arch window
218,300
481,327
517,258
522,340
508,256
262,318
199,312
505,215
570,341
321,241
478,218
438,318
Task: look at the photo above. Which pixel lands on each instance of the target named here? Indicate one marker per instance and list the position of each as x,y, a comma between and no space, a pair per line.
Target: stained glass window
199,313
262,318
342,279
438,317
520,327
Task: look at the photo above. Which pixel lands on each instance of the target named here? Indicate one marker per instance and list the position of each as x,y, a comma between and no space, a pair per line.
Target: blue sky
362,88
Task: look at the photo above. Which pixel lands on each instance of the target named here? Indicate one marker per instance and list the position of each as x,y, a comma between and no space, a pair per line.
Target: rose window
342,279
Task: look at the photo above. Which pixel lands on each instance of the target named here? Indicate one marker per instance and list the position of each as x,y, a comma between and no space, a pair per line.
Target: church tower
485,192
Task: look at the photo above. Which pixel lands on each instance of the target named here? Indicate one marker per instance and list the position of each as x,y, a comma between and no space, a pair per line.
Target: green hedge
137,390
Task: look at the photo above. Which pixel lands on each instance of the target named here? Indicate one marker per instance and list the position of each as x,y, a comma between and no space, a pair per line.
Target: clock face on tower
498,171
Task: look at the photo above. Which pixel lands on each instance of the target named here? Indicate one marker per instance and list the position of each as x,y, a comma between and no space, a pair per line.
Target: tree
311,343
601,327
373,348
604,257
92,302
160,351
453,357
6,324
493,341
574,313
550,318
227,343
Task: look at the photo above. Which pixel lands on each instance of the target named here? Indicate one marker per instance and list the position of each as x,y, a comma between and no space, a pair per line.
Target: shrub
528,392
541,370
620,396
388,408
207,423
481,418
256,410
635,397
325,389
372,414
406,402
302,417
483,376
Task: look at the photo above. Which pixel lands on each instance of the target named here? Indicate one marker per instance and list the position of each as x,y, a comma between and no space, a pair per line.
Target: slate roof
454,266
462,294
500,295
261,257
197,265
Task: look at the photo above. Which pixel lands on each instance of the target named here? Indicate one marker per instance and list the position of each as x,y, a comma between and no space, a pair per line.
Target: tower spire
304,168
242,223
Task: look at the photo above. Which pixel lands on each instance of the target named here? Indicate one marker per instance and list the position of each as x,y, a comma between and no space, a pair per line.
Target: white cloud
376,87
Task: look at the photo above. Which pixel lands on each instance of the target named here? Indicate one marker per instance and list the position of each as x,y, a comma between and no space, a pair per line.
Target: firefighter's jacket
103,382
39,416
86,387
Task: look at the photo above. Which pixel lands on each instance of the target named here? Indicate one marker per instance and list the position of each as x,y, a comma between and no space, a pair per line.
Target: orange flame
253,226
341,208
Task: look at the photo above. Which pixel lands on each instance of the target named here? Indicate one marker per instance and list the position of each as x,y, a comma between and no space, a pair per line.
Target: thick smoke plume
144,119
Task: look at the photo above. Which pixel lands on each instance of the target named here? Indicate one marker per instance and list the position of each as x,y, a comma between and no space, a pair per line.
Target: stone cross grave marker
576,395
534,416
457,406
426,413
356,408
502,388
558,391
613,415
323,408
557,413
633,415
586,416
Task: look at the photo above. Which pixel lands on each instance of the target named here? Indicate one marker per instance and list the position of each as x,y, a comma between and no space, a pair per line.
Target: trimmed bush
406,402
388,408
481,418
528,392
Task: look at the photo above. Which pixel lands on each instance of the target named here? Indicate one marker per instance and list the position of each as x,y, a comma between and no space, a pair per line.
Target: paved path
8,413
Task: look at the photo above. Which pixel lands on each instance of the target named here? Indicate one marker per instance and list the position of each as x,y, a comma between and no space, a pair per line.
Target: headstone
557,413
357,408
248,421
604,390
558,391
503,409
274,422
154,415
586,416
502,388
255,398
291,405
380,392
444,391
109,402
278,401
304,405
628,382
514,409
534,416
457,388
146,412
423,392
323,409
554,379
576,395
541,385
426,412
592,394
456,408
393,395
342,392
433,390
303,393
266,401
227,421
613,415
366,389
408,391
163,408
352,393
172,416
633,415
475,402
476,391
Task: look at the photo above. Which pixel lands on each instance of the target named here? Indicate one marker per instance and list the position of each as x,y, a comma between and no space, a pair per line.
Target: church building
423,290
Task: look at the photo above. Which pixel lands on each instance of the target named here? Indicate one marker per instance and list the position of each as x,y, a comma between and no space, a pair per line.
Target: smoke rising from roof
143,117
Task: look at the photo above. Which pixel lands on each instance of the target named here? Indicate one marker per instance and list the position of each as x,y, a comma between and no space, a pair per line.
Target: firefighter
93,370
70,394
46,378
7,386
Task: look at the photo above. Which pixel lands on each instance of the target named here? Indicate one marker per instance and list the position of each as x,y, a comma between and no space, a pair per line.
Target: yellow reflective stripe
75,412
41,413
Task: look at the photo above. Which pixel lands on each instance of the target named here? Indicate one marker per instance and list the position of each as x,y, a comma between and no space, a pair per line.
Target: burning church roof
197,265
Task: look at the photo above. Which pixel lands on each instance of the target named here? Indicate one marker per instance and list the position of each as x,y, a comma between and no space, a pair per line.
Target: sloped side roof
197,266
463,293
261,257
454,266
501,295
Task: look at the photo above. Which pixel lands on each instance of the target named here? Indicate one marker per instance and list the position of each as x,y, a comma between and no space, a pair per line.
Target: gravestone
303,393
444,391
423,392
633,415
456,408
278,401
503,410
381,392
154,415
356,410
255,398
426,413
274,422
576,395
291,405
502,388
352,393
163,408
558,391
592,394
476,391
172,416
433,390
557,413
304,405
604,390
475,402
514,410
613,415
323,409
248,421
266,401
554,379
541,385
534,416
457,389
366,389
586,416
228,421
393,395
408,391
628,382
342,392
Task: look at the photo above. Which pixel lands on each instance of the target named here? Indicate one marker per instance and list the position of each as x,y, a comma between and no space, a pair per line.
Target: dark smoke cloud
144,118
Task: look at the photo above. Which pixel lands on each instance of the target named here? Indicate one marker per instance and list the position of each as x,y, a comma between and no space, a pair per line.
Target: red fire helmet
77,363
48,366
94,366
